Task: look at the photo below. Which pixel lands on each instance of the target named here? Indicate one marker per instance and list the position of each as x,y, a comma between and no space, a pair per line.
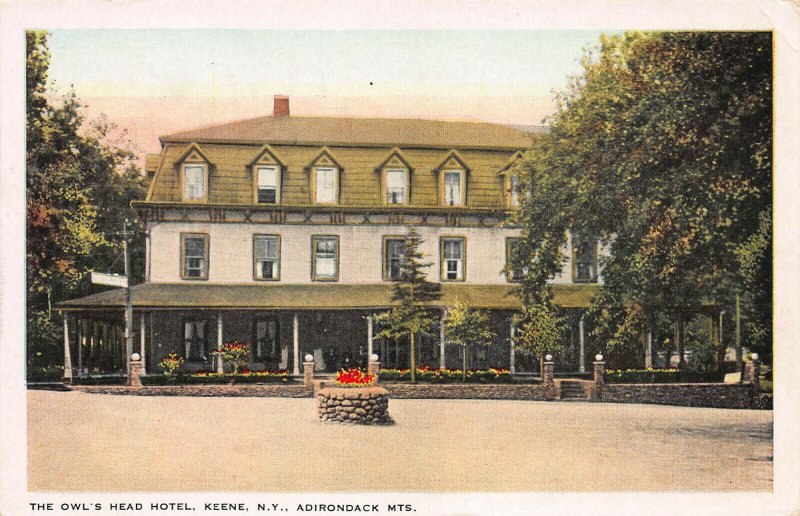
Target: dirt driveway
92,442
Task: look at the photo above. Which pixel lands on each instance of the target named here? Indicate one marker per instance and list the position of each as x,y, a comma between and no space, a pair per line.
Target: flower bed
354,378
431,375
671,375
212,377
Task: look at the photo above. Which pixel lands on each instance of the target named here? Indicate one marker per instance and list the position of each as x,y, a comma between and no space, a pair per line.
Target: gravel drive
94,442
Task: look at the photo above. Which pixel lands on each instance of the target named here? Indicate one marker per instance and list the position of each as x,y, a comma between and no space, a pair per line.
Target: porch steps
572,390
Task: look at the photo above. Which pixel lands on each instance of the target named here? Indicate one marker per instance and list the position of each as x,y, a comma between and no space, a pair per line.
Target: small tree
236,354
412,292
465,325
540,329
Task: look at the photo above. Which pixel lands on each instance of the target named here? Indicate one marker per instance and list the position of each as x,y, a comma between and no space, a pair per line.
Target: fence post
753,371
374,367
308,370
599,372
134,379
548,379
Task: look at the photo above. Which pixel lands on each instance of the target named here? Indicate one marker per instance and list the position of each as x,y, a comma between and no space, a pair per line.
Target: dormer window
584,260
193,168
326,185
194,182
267,189
396,180
513,191
452,188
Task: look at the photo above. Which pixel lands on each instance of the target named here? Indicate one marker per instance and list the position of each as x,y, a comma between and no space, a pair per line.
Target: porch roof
310,296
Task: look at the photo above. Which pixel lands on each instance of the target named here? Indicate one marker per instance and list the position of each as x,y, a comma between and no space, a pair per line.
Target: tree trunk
413,360
464,368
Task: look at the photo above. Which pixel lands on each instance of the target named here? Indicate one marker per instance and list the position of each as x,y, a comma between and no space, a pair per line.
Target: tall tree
464,326
79,186
412,293
661,147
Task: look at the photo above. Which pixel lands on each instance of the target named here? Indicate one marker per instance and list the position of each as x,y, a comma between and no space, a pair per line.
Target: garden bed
451,376
212,378
660,376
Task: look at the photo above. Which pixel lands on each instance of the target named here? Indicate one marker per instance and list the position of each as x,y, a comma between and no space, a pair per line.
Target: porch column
716,340
79,338
582,344
369,338
296,345
442,364
512,367
220,368
67,354
142,341
648,350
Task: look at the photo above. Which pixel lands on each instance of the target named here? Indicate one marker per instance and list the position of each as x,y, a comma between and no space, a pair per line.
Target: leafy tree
80,181
464,326
661,148
540,329
412,293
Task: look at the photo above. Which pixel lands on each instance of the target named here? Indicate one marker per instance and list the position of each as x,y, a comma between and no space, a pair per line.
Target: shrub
171,363
431,375
658,376
236,354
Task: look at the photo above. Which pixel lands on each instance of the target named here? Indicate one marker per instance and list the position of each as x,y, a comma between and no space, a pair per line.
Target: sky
153,82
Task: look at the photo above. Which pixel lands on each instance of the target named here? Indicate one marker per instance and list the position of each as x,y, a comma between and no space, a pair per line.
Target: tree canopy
81,178
465,326
661,148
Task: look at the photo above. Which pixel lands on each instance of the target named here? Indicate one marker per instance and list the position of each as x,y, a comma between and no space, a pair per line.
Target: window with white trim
452,188
325,185
452,259
267,257
194,182
267,189
325,257
584,261
195,256
195,340
393,253
396,186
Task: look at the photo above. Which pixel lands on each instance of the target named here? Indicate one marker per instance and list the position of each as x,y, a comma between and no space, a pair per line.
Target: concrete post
134,379
67,353
548,378
752,372
296,346
308,370
599,372
648,350
374,367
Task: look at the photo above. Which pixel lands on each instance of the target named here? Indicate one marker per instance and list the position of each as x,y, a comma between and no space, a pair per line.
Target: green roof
311,296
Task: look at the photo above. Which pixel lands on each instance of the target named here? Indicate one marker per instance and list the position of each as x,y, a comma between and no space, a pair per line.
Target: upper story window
194,259
584,261
266,257
453,194
396,181
453,258
513,274
393,257
267,186
325,258
326,185
195,340
513,190
194,182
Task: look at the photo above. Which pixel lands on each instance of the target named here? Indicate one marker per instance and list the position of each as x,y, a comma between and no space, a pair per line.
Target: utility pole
128,305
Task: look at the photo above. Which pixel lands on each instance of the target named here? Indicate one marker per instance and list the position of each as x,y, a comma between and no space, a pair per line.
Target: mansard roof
355,131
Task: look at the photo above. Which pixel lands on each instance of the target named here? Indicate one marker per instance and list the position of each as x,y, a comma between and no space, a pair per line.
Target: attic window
453,192
267,185
325,185
396,180
194,182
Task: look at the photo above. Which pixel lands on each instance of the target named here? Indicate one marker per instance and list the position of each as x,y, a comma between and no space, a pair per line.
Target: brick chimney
281,105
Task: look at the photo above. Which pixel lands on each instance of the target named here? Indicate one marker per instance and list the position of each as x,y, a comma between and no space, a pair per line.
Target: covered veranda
283,323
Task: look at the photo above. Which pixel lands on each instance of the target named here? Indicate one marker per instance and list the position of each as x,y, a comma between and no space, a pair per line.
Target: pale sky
153,82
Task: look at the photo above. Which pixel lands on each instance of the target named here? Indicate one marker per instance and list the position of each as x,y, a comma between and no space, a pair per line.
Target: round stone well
354,405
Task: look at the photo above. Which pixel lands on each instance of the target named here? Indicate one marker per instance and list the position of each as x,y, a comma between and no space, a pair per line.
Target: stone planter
357,405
